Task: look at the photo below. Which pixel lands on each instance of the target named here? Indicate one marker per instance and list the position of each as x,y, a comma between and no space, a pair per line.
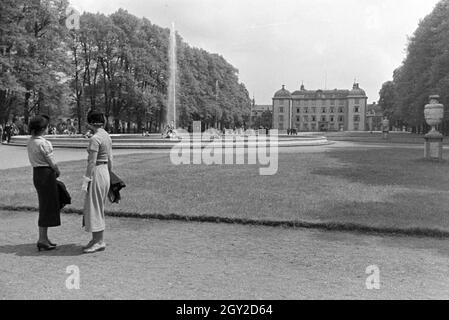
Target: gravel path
16,157
172,260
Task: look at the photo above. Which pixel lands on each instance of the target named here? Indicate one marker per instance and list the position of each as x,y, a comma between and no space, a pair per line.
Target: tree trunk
26,109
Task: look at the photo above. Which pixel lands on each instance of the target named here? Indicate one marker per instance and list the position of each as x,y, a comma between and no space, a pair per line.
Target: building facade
374,117
258,110
320,110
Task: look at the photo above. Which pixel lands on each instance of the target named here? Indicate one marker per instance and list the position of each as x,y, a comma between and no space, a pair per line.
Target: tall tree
424,71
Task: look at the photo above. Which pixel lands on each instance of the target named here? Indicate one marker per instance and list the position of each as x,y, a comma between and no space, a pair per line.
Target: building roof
283,93
262,107
356,91
322,94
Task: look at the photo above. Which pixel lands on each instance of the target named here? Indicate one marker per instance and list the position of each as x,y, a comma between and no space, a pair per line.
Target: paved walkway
172,260
16,157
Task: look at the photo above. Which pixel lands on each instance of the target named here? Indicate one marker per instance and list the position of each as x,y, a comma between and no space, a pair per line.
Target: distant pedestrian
15,130
45,172
8,130
25,129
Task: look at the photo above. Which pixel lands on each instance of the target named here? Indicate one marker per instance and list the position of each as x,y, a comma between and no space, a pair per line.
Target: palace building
257,110
320,110
374,117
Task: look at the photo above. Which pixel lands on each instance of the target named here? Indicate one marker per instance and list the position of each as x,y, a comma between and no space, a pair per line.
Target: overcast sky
289,41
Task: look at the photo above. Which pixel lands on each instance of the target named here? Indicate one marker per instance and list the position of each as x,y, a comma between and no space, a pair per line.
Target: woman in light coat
96,182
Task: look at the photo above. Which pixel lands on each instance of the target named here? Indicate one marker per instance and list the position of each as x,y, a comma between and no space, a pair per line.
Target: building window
323,110
341,119
306,118
306,110
356,109
298,110
313,119
313,110
297,119
332,118
340,110
332,110
281,109
356,118
323,118
341,102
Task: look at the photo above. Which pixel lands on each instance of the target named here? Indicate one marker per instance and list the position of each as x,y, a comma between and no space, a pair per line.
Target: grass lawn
373,187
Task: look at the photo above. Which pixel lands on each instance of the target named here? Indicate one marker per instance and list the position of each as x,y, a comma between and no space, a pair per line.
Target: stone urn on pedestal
433,113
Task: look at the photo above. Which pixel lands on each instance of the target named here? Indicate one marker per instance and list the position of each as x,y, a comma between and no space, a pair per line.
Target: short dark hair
96,118
38,124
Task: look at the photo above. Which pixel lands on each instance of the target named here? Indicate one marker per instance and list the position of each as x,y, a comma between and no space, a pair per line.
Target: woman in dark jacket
45,172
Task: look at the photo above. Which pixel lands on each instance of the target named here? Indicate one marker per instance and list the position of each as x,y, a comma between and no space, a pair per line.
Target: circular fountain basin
155,141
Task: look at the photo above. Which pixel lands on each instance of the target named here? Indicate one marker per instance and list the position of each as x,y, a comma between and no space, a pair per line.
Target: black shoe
45,247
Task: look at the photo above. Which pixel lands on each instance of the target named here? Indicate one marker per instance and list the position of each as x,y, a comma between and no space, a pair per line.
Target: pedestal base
433,147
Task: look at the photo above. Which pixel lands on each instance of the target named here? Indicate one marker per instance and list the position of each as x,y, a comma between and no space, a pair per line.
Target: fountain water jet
170,114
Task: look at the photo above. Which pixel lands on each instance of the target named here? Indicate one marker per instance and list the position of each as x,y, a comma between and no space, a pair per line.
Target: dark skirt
44,179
